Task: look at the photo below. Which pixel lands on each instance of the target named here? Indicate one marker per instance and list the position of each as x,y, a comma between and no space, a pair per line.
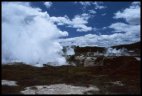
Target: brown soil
124,69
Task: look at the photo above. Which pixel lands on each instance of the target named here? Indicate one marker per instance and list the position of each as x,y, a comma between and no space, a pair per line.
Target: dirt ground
119,75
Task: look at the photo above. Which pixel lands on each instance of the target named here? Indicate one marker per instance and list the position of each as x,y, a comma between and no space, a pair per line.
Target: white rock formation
89,61
9,83
118,83
138,58
116,52
58,89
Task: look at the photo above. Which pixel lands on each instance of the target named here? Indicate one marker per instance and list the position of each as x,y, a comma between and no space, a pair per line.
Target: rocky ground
59,89
91,70
120,75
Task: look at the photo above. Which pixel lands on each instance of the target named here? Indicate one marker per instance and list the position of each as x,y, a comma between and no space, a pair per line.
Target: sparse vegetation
125,69
27,75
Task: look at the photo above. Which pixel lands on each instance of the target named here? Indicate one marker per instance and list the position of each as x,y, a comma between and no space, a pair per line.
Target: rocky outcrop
9,83
59,89
95,56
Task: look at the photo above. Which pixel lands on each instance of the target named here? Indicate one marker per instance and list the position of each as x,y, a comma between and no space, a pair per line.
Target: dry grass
125,69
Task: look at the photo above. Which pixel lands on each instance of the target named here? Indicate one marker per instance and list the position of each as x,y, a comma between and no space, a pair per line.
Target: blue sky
102,18
98,20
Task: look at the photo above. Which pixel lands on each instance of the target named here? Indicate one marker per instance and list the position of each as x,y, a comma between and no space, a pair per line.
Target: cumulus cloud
29,36
79,22
92,11
122,27
85,3
97,5
48,4
91,7
100,40
61,20
131,14
124,33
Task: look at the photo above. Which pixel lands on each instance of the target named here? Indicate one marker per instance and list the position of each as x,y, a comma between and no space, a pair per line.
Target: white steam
70,50
116,52
29,36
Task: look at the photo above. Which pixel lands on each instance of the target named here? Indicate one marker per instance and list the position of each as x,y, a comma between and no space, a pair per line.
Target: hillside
117,69
111,74
130,47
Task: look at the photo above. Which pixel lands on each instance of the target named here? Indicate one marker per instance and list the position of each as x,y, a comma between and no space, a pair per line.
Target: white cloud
48,4
131,14
131,29
79,22
64,33
99,5
83,28
60,20
85,3
136,3
29,36
100,40
92,11
96,4
20,3
119,27
123,33
122,27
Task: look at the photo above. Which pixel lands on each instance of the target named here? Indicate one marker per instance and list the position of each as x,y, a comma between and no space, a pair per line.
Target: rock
117,83
59,89
138,58
89,61
9,83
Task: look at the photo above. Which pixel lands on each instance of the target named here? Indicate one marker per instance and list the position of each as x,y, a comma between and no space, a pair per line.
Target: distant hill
135,47
132,46
88,49
113,74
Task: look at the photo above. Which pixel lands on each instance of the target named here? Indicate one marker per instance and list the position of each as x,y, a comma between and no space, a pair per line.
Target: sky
98,17
35,31
100,20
